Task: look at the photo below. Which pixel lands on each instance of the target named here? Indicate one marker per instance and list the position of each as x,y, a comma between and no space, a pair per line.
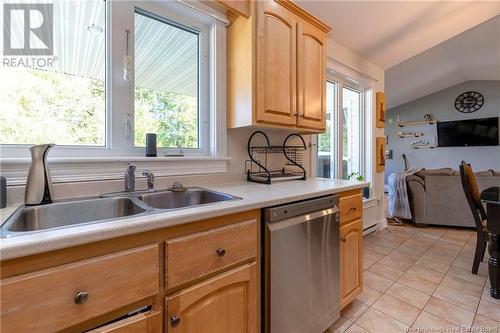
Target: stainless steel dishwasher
301,266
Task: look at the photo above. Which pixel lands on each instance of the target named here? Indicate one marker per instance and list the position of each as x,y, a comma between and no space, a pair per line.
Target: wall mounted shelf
423,146
418,123
402,134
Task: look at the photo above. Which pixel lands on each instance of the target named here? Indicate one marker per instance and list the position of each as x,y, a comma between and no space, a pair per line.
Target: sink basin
70,213
110,206
190,197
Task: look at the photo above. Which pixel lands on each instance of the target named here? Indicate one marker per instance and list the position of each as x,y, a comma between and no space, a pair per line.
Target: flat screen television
470,132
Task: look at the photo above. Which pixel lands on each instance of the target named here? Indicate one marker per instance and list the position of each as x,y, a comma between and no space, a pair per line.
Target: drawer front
193,256
60,297
142,323
351,208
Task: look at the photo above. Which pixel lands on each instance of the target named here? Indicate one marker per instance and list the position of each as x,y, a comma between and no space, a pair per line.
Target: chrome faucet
130,178
39,188
151,180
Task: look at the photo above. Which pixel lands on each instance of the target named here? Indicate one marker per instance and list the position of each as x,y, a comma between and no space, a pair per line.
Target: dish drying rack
257,167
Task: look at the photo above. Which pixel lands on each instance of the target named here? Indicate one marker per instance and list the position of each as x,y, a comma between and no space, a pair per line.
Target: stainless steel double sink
27,219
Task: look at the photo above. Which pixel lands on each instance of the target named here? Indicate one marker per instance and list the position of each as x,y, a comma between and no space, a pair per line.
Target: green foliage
324,144
355,176
40,107
173,117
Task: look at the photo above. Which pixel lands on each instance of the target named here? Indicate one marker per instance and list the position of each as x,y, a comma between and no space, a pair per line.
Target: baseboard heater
370,229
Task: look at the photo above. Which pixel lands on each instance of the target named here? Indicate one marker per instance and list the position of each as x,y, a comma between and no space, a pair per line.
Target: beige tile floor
419,280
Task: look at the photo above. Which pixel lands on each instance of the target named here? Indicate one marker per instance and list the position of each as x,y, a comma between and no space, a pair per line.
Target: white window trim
83,163
365,128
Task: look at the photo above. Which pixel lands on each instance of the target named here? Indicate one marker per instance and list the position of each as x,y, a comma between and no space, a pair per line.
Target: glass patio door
327,144
340,148
351,132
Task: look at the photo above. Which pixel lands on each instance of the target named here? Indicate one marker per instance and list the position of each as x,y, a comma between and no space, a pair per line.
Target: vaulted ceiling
472,55
423,46
389,32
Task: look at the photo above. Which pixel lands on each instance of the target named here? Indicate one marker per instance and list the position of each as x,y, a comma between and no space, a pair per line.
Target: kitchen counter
253,196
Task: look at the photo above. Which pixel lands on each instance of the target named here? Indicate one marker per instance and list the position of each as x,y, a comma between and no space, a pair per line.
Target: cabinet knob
221,252
354,208
343,239
174,320
81,297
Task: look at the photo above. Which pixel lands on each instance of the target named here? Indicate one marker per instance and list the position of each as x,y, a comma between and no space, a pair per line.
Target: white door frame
336,158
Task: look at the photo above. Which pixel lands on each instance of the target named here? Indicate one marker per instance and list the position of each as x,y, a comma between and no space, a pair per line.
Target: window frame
337,130
204,80
119,148
362,115
14,150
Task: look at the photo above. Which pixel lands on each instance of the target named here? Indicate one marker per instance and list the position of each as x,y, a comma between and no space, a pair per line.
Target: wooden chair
473,196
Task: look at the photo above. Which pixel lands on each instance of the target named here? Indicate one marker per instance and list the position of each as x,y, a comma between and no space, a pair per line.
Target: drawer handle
81,297
354,208
221,252
343,239
174,320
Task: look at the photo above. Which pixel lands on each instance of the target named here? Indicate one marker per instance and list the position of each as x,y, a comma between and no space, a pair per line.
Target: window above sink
96,117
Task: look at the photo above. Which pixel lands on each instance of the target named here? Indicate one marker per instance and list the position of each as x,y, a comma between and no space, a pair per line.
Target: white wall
442,105
237,140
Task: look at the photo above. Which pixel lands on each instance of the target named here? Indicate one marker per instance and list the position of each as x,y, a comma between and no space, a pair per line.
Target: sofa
436,196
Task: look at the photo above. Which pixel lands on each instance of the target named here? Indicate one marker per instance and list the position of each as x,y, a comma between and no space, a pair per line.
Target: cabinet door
311,77
276,64
351,261
225,303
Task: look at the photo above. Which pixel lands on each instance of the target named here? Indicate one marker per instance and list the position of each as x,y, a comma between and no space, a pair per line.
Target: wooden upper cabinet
311,77
276,64
224,303
241,7
277,68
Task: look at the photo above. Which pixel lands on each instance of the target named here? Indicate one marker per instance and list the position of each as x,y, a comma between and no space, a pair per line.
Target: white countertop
253,196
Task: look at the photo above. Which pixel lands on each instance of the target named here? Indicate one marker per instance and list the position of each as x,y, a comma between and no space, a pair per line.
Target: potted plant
357,176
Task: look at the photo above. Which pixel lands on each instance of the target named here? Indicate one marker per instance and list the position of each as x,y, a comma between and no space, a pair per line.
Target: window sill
73,169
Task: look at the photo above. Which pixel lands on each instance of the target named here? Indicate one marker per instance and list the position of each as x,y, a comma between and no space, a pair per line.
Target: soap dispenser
39,188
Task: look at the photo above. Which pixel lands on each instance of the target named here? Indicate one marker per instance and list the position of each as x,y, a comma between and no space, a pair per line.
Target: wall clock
469,102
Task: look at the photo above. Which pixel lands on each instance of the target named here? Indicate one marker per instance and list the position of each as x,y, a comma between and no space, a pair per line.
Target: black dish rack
258,170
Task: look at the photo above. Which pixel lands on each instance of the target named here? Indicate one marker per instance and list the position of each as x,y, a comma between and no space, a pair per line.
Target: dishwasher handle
278,225
305,207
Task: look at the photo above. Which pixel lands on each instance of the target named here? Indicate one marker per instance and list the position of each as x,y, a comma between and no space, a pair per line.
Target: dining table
491,197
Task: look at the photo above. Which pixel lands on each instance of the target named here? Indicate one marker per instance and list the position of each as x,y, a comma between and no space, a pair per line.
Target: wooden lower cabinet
200,254
351,261
149,322
226,303
351,207
92,287
63,296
